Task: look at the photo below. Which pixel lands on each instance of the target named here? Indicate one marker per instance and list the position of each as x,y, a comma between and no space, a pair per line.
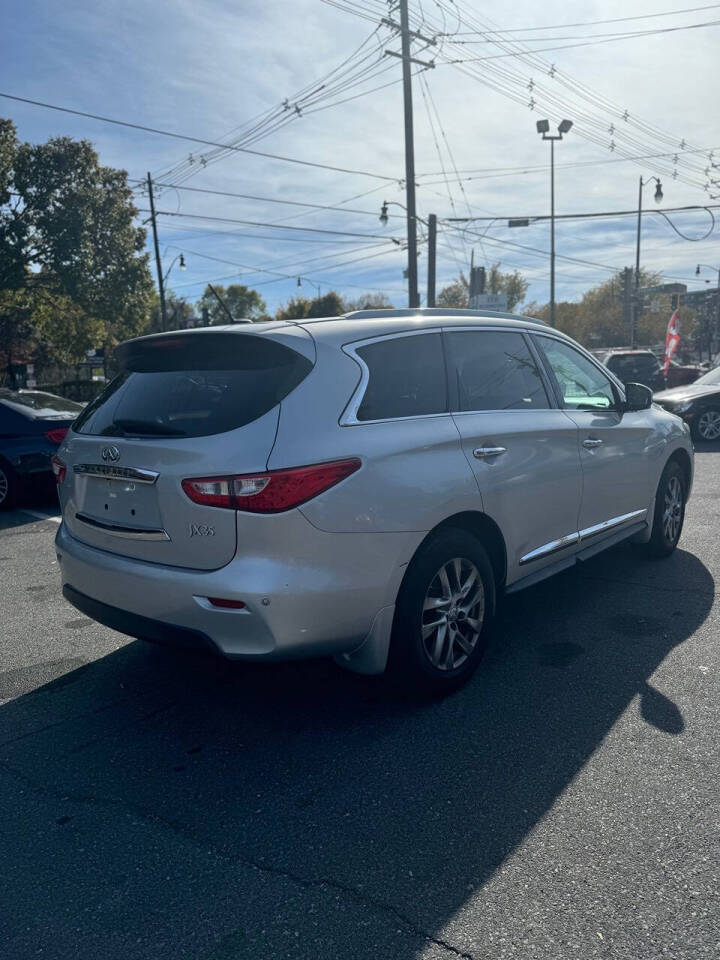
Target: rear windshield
38,404
193,386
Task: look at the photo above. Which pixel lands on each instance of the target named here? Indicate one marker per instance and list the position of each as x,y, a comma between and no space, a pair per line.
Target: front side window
406,378
494,370
582,384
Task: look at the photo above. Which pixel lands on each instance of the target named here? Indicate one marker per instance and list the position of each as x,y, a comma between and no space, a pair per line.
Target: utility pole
432,246
627,297
552,232
413,297
161,282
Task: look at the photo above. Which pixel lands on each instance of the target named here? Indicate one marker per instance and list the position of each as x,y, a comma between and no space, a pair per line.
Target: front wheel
707,426
669,511
443,608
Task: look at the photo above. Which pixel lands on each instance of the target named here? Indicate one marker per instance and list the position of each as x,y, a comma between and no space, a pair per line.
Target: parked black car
33,424
697,403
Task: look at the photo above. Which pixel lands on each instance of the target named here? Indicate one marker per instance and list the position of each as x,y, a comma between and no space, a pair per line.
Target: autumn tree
512,284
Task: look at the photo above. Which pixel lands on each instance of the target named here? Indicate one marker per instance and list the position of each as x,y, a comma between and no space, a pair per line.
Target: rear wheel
669,511
8,487
444,605
707,426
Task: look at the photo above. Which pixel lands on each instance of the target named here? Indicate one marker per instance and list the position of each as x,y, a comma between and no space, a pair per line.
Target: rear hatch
195,404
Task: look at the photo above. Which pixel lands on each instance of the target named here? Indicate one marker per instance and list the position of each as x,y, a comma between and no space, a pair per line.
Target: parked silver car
363,486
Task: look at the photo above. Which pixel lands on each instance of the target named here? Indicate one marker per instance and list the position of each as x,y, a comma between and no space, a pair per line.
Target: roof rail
437,312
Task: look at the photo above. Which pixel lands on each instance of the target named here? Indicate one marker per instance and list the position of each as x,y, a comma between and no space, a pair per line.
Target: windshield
42,404
710,378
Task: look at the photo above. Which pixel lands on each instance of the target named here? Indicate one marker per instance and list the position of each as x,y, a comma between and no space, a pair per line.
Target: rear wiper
142,428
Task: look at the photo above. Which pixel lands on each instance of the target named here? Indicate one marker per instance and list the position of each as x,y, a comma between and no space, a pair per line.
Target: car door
522,448
616,446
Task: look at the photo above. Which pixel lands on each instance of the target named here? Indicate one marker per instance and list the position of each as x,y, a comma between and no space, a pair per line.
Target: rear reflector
271,492
58,468
227,604
57,435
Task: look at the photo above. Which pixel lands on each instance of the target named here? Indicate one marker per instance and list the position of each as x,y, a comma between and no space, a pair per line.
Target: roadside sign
30,382
489,301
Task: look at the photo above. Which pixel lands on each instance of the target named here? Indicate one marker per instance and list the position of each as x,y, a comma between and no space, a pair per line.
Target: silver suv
363,486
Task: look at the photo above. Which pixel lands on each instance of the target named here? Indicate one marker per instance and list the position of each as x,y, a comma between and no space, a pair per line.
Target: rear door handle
485,453
591,443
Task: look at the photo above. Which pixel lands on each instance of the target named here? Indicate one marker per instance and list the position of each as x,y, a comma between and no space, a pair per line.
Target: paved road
564,805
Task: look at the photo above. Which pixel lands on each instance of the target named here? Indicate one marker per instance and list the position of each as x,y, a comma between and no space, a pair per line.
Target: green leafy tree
242,302
300,308
76,255
513,285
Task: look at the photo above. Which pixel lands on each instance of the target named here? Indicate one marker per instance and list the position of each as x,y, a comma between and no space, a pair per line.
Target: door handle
485,453
591,443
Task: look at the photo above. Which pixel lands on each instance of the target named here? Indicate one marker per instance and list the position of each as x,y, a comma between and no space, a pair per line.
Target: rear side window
193,386
407,378
494,370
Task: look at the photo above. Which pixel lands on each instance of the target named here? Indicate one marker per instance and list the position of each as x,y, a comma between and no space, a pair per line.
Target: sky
221,71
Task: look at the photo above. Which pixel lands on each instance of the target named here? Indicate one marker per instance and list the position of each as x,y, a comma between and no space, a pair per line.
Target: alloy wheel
709,425
672,512
4,486
453,614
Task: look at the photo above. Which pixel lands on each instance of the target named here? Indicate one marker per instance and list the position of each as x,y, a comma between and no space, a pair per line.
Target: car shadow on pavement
180,806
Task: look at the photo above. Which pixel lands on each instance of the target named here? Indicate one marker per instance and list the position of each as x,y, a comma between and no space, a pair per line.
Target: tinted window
495,371
633,367
582,384
193,386
407,378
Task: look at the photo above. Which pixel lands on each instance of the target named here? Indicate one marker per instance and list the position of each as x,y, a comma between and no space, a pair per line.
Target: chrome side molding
111,472
571,538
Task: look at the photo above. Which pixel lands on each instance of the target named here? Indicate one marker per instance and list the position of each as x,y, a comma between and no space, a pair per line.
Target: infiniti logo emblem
110,454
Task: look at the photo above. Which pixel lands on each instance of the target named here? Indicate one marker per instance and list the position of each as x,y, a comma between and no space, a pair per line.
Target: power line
190,139
255,223
593,23
245,196
588,216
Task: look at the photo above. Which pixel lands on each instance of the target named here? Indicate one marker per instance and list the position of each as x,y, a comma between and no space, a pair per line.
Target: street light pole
543,127
636,304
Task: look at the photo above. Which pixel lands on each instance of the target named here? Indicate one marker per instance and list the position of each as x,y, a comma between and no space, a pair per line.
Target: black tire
8,486
697,435
464,641
665,534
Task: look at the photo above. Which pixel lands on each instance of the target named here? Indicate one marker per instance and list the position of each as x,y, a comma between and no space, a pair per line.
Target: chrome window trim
128,533
107,472
586,534
348,418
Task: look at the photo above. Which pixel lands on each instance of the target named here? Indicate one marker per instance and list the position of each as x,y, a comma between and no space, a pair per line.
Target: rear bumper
319,596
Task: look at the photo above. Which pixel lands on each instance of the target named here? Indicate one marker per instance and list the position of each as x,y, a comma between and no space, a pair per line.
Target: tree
243,302
368,301
513,285
72,268
300,308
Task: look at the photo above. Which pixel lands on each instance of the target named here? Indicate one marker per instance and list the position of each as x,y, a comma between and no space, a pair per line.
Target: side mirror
637,396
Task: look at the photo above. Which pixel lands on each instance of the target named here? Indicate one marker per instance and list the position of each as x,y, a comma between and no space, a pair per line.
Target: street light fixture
543,128
636,306
431,224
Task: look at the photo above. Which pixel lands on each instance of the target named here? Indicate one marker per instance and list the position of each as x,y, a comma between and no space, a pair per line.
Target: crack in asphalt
146,816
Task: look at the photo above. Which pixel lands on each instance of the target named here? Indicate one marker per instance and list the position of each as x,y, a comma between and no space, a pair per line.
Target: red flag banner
672,339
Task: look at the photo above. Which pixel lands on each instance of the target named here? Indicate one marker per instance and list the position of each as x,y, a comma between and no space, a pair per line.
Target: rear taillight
270,492
58,468
57,435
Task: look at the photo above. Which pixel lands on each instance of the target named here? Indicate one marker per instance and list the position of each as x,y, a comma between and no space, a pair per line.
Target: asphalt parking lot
564,805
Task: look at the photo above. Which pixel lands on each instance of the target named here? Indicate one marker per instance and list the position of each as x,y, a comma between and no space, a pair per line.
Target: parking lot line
56,518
